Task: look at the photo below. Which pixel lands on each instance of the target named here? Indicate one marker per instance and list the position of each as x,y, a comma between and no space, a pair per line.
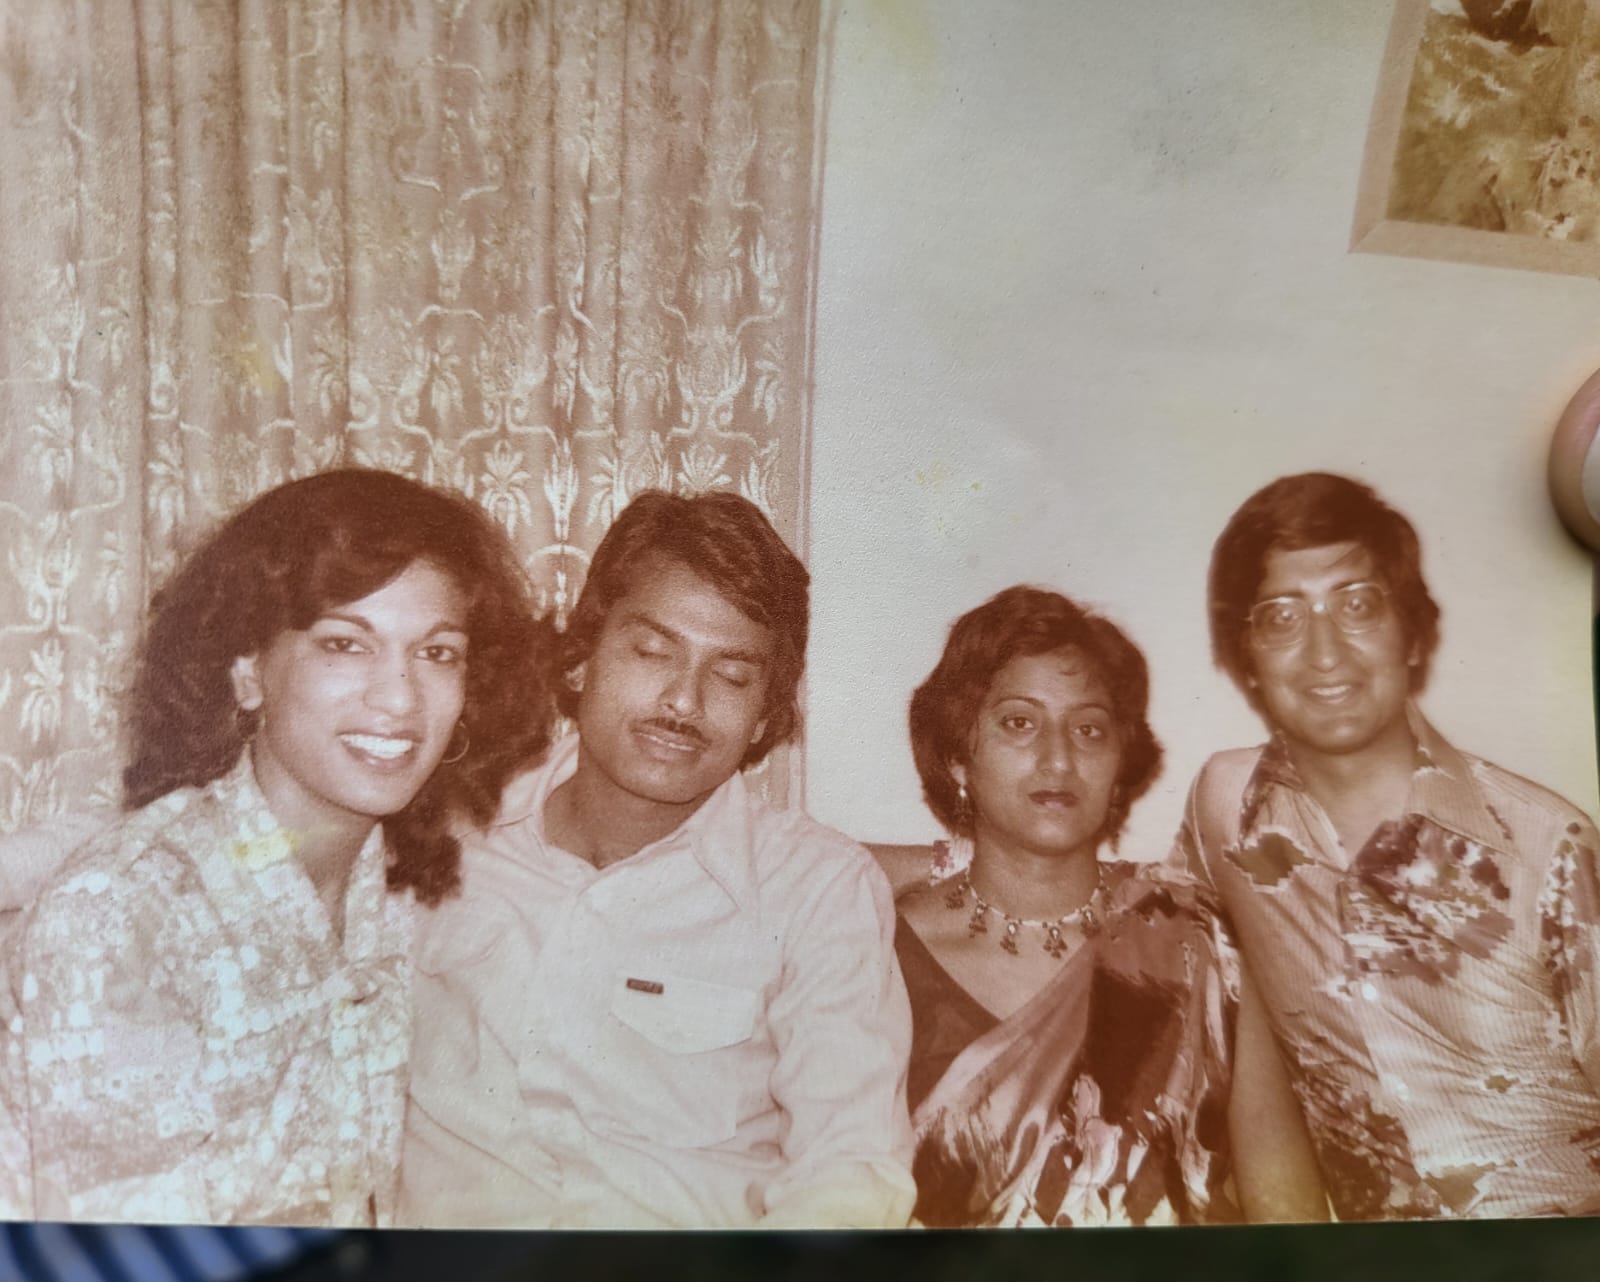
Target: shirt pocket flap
684,1016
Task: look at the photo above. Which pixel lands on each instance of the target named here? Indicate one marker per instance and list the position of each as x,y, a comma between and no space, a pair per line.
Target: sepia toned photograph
1485,142
820,614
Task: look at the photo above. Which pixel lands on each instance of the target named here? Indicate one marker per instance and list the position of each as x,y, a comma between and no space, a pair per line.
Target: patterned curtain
550,252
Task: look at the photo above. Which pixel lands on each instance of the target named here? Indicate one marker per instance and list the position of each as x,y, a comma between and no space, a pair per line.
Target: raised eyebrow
365,624
446,626
1016,698
344,616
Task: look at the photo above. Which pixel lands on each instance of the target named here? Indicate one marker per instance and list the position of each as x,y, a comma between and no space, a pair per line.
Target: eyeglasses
1284,620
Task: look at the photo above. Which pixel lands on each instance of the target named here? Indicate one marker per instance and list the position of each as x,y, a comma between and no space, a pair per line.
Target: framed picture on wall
1486,135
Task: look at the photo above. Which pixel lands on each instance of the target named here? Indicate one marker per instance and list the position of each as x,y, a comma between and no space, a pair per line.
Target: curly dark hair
1313,510
1016,623
725,540
285,560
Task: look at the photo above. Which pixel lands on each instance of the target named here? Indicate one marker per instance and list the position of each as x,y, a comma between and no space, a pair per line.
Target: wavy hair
725,540
284,561
1016,623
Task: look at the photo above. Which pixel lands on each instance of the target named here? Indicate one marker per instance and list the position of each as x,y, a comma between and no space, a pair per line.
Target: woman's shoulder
911,867
926,909
144,852
1161,924
123,929
1156,888
906,867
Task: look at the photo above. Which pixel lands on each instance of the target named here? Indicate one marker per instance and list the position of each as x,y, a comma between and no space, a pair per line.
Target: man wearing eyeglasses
1420,927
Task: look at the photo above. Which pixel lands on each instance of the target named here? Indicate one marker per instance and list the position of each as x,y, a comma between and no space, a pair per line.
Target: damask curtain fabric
551,252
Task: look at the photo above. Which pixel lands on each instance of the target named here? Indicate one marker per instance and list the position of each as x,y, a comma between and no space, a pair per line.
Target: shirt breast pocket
685,1056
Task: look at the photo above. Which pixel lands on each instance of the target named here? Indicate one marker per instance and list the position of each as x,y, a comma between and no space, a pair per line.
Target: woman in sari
213,996
1073,1018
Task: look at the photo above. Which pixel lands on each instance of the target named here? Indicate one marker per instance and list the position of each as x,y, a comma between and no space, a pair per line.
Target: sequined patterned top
189,1042
1435,996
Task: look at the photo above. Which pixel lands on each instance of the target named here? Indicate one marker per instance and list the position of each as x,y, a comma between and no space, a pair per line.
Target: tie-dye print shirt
1435,996
187,1039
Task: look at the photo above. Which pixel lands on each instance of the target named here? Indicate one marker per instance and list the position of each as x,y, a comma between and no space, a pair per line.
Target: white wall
1084,287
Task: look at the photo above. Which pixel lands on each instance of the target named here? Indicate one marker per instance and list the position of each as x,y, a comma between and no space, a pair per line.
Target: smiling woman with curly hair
214,994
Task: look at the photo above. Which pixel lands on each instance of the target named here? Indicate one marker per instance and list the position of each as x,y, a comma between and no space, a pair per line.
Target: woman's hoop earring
466,742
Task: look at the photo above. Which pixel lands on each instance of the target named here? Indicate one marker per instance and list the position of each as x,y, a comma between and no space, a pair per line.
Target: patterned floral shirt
1435,996
186,1038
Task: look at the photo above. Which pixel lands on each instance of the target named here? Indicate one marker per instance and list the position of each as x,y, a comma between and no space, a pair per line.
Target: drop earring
963,806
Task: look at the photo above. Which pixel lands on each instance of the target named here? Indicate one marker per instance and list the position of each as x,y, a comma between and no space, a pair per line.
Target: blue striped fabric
42,1252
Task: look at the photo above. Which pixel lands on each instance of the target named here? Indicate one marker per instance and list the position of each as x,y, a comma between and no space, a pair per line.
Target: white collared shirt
710,1033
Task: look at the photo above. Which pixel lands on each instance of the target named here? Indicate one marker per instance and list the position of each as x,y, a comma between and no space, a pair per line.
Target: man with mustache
659,1002
1421,925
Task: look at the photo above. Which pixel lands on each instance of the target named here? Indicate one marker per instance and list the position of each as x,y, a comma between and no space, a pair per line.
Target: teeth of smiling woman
374,745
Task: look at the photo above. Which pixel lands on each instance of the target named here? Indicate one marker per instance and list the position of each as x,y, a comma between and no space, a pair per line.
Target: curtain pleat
550,252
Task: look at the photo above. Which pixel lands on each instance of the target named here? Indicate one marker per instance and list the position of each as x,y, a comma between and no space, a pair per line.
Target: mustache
683,729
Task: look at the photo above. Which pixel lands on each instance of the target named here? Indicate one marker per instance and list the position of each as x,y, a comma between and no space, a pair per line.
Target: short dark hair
1313,510
725,540
1016,623
281,563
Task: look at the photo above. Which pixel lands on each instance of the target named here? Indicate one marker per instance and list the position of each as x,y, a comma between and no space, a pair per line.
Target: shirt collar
717,836
1443,790
261,842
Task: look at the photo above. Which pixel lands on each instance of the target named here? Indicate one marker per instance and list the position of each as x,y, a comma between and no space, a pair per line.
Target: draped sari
1103,1100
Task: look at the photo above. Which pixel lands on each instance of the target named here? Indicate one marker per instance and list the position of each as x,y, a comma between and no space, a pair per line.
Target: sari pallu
1104,1099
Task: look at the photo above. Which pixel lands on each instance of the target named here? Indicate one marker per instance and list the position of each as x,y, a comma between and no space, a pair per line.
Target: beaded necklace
1055,943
